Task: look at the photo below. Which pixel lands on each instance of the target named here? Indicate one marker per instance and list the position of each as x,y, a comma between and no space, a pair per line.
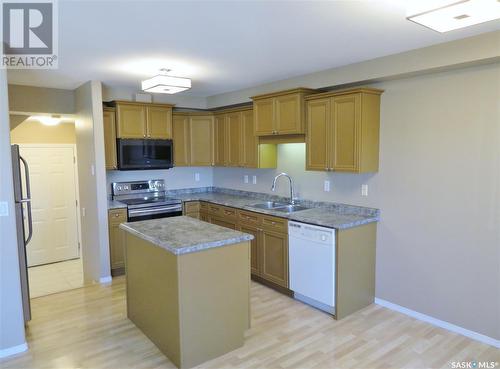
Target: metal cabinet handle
28,199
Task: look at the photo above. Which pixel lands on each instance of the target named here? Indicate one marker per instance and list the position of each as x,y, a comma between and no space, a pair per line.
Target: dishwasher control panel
310,232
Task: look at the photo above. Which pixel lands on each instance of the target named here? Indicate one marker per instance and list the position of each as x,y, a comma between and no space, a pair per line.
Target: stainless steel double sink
279,206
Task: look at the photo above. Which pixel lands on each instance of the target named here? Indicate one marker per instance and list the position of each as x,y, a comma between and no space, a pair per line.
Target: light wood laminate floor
56,277
88,328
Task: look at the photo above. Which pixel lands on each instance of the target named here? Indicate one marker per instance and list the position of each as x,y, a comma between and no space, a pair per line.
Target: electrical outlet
197,177
245,178
4,209
254,179
326,186
364,190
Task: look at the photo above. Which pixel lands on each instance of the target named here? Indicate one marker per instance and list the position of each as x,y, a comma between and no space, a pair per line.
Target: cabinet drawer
250,218
275,224
191,207
117,215
222,211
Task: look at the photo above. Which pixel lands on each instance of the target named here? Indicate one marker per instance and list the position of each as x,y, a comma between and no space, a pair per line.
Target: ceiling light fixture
165,84
457,14
48,120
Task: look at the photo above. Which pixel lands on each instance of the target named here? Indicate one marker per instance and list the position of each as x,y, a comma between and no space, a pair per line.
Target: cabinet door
233,147
109,139
274,249
289,114
250,142
220,140
204,217
223,222
264,117
346,117
180,134
318,127
201,140
159,122
115,218
254,247
131,121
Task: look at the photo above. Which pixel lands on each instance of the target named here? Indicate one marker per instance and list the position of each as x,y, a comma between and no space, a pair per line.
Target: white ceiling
225,45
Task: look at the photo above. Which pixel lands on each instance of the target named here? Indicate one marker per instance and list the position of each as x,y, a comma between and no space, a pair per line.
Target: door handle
27,200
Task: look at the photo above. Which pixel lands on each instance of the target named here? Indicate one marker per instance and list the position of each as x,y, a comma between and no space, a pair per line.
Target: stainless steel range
146,200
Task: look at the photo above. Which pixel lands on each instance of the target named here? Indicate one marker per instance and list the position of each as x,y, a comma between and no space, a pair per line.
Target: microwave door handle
27,200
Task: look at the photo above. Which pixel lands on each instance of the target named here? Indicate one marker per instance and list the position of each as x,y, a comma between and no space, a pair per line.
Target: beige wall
11,310
41,100
31,131
438,188
484,48
92,181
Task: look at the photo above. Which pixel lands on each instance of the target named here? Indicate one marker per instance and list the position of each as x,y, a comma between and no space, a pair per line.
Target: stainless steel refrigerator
24,221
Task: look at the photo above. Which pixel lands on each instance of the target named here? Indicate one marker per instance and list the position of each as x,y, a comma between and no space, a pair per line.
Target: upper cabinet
280,113
193,136
235,144
343,131
109,138
142,120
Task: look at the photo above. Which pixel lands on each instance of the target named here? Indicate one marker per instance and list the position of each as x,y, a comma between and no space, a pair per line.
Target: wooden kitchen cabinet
159,122
234,139
193,139
143,120
117,258
274,258
343,131
235,143
192,209
254,247
109,138
318,116
280,113
180,134
220,140
201,140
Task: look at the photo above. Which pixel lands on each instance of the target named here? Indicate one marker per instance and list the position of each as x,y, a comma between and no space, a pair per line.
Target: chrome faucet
273,187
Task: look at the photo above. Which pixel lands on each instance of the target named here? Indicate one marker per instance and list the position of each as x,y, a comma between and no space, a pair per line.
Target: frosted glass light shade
164,84
458,14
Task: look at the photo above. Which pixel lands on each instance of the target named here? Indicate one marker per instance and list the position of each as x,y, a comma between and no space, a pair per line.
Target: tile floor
51,278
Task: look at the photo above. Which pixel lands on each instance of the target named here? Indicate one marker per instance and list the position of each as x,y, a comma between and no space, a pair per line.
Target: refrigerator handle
27,200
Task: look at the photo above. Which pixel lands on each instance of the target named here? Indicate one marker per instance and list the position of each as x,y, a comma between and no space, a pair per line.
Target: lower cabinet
269,248
273,250
115,218
254,247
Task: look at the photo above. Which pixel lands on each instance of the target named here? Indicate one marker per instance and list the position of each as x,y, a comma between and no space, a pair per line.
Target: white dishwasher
312,265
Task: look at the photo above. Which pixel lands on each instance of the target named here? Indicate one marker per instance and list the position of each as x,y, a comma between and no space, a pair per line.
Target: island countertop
184,235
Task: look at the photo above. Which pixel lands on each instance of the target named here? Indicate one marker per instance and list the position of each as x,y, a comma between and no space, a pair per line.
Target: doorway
53,254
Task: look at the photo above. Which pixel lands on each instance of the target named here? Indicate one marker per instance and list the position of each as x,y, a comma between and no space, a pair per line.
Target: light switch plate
254,179
364,190
245,178
326,186
197,177
4,209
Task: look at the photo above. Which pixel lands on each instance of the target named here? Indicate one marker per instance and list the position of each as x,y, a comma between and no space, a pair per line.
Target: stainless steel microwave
135,154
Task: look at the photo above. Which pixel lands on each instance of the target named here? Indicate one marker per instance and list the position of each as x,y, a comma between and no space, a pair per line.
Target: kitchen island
188,286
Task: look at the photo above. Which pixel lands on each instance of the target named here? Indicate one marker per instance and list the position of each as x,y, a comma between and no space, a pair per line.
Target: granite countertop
113,204
331,215
184,235
326,214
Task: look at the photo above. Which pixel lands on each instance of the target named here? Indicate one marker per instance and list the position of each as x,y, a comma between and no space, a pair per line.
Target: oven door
144,154
134,215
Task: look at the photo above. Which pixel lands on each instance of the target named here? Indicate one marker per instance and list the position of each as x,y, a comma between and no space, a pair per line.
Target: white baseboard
439,323
107,279
13,350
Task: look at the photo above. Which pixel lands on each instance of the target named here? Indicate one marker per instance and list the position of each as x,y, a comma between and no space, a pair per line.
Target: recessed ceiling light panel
458,14
166,84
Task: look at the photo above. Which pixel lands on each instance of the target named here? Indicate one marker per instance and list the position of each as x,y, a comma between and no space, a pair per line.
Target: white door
53,193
